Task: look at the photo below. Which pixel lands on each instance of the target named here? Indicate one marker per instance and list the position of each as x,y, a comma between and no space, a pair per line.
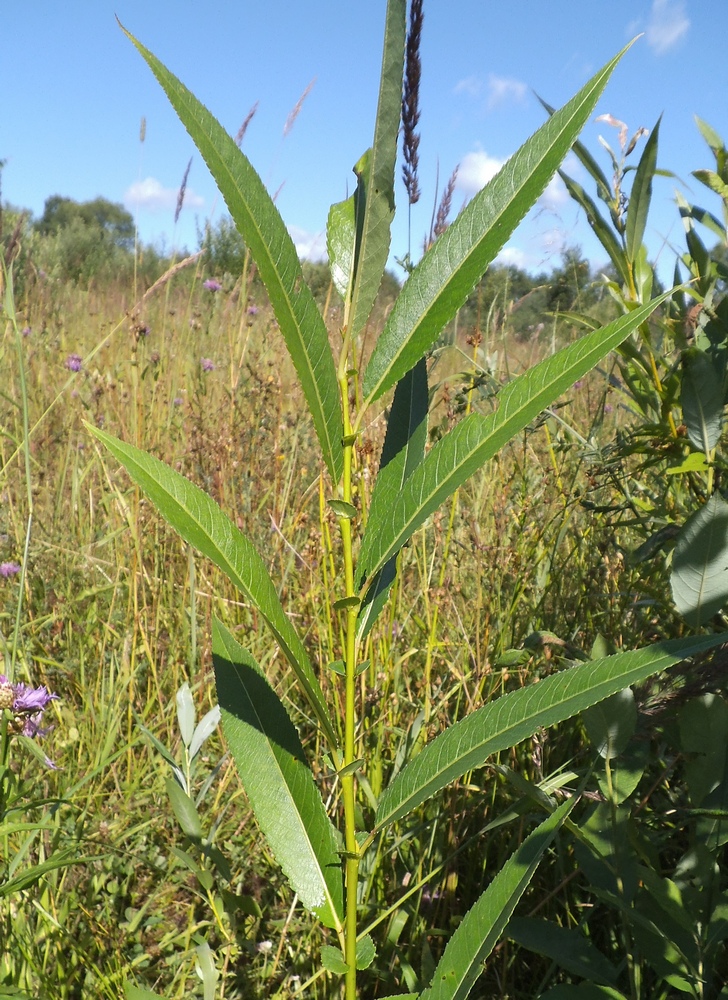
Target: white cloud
667,24
515,256
471,85
152,196
555,195
504,90
476,169
309,246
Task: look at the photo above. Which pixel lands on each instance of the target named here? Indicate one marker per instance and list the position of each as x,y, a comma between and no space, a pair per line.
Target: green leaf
640,196
583,991
136,993
340,243
395,514
711,137
375,173
185,811
332,960
611,723
403,450
569,948
480,928
265,234
365,952
503,723
712,181
601,230
342,508
702,400
699,577
442,280
199,520
278,782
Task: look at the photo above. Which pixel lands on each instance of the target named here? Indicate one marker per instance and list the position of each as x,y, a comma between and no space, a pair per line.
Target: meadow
134,863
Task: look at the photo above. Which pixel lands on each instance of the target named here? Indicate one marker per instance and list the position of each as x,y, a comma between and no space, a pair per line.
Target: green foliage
268,754
224,248
112,219
408,852
675,375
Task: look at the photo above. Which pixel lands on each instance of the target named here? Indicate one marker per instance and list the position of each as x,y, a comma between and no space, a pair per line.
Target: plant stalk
348,779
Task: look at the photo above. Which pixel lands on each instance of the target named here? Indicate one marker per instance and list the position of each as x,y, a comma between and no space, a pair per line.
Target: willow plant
319,853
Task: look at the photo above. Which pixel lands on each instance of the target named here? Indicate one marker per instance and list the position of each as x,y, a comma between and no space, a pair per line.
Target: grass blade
442,280
261,226
506,721
375,189
201,522
397,514
278,782
478,933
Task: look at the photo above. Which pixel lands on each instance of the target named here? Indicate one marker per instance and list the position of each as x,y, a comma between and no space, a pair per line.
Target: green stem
348,780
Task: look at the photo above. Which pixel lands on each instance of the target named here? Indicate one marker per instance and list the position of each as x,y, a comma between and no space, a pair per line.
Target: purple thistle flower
9,569
178,401
74,362
26,331
212,285
27,705
208,365
252,309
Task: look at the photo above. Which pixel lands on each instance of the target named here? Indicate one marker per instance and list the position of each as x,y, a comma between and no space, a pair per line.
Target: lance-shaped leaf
478,933
443,279
640,196
340,243
403,450
277,780
699,576
701,396
265,234
397,514
582,154
506,721
375,173
599,225
201,522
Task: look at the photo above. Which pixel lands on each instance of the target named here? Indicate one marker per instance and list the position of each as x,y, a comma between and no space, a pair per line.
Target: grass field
505,582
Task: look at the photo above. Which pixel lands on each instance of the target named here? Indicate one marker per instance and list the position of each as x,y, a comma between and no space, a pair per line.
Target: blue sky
76,91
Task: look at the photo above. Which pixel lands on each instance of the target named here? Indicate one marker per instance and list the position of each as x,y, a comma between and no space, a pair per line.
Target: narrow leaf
478,933
185,713
587,160
278,782
516,716
582,991
395,514
403,450
204,729
340,242
699,576
185,811
261,226
599,226
375,173
641,195
702,400
199,520
442,280
569,948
